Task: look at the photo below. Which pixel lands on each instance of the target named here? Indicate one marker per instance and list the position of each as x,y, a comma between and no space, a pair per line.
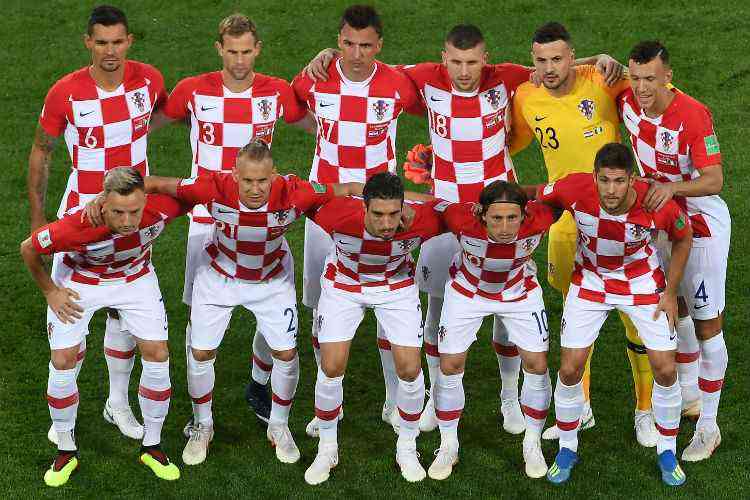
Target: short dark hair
383,186
464,36
106,15
551,32
647,50
502,191
615,155
360,17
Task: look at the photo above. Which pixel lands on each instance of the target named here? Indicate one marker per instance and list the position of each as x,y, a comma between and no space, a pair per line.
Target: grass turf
42,42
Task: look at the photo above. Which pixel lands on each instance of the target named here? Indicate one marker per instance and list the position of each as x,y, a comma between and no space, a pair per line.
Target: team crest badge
441,333
281,216
380,107
637,232
265,108
527,245
139,100
405,245
151,232
586,107
319,322
426,273
493,97
666,140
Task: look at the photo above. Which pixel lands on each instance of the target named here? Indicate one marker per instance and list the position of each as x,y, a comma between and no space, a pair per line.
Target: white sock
201,378
261,361
536,394
81,356
62,399
688,355
315,328
284,379
410,402
714,360
329,396
568,409
667,406
119,351
430,330
154,394
508,361
389,368
449,399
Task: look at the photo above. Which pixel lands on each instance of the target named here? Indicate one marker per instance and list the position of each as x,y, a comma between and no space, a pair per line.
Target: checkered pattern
249,244
222,122
672,148
97,256
616,259
498,271
363,263
356,122
468,130
103,130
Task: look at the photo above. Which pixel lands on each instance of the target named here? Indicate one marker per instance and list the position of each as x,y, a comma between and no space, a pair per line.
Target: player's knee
203,355
287,355
408,373
451,365
571,373
64,359
665,374
332,369
707,328
535,363
155,351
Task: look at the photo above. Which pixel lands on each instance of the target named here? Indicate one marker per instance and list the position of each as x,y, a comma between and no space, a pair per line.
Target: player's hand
658,195
317,69
93,211
407,217
418,164
62,303
476,209
609,68
668,305
535,78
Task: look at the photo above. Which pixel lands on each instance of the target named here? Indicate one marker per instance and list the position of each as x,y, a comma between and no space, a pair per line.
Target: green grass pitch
41,41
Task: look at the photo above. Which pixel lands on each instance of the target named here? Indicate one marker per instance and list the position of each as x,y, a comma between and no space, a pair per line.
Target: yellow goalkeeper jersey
569,129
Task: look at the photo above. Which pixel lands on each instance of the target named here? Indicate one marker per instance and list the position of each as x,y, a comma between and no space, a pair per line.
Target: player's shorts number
289,311
90,139
701,294
208,133
541,323
439,124
547,138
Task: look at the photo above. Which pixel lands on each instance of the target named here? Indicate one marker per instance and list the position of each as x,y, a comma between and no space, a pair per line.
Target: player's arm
710,181
60,300
307,123
607,65
39,162
317,68
160,119
681,235
347,189
521,134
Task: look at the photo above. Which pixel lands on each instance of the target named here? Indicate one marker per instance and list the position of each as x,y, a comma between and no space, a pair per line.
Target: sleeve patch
317,187
441,206
680,223
188,182
548,189
712,144
44,238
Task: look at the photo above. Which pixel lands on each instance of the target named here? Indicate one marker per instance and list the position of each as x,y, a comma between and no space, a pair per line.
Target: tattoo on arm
44,141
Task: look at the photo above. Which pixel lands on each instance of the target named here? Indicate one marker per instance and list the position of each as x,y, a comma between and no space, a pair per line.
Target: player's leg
580,327
141,309
643,381
703,286
339,315
666,400
509,365
389,415
256,390
214,298
401,317
51,433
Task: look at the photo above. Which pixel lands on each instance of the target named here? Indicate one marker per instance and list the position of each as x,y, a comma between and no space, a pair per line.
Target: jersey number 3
547,138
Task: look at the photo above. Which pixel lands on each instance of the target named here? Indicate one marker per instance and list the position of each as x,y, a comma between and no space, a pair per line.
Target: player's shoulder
268,82
144,70
689,107
344,213
426,71
71,82
204,81
539,217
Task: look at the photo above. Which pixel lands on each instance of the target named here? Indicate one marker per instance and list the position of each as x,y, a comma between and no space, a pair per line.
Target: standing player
103,110
357,109
227,109
572,115
617,267
251,266
674,140
371,267
494,274
106,266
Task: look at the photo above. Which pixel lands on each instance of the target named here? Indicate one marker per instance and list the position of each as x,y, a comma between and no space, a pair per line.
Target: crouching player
250,266
106,267
617,267
494,274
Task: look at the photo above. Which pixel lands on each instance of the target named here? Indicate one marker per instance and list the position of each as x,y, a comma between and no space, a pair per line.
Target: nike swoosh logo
225,211
325,105
538,119
82,114
435,100
696,306
472,244
584,224
343,242
203,108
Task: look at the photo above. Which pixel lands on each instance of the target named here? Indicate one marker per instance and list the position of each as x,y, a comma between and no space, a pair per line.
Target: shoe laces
443,456
644,419
281,436
199,433
124,414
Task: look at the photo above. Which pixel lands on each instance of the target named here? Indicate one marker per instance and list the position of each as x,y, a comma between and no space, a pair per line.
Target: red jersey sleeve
704,146
177,102
556,194
53,118
407,92
292,108
427,221
540,216
673,220
301,86
157,83
168,206
455,216
513,75
309,196
330,215
198,190
65,234
415,74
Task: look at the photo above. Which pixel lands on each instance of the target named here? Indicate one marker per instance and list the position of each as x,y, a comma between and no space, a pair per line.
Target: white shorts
399,312
433,265
704,281
582,320
461,317
274,304
139,304
318,244
199,236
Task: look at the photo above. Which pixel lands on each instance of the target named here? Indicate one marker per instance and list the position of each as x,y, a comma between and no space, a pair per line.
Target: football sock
62,399
449,399
508,361
688,359
714,360
389,369
410,401
81,356
201,378
154,394
284,379
568,409
314,338
119,351
667,404
430,330
329,396
536,394
261,362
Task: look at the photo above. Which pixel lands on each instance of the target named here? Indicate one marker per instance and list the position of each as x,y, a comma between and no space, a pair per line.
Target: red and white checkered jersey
222,121
496,271
616,258
248,244
98,256
364,263
103,130
356,121
468,129
675,147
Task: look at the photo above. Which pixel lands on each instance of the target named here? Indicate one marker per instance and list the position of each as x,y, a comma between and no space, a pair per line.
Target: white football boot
196,449
446,457
326,459
281,439
702,445
513,419
645,429
124,419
